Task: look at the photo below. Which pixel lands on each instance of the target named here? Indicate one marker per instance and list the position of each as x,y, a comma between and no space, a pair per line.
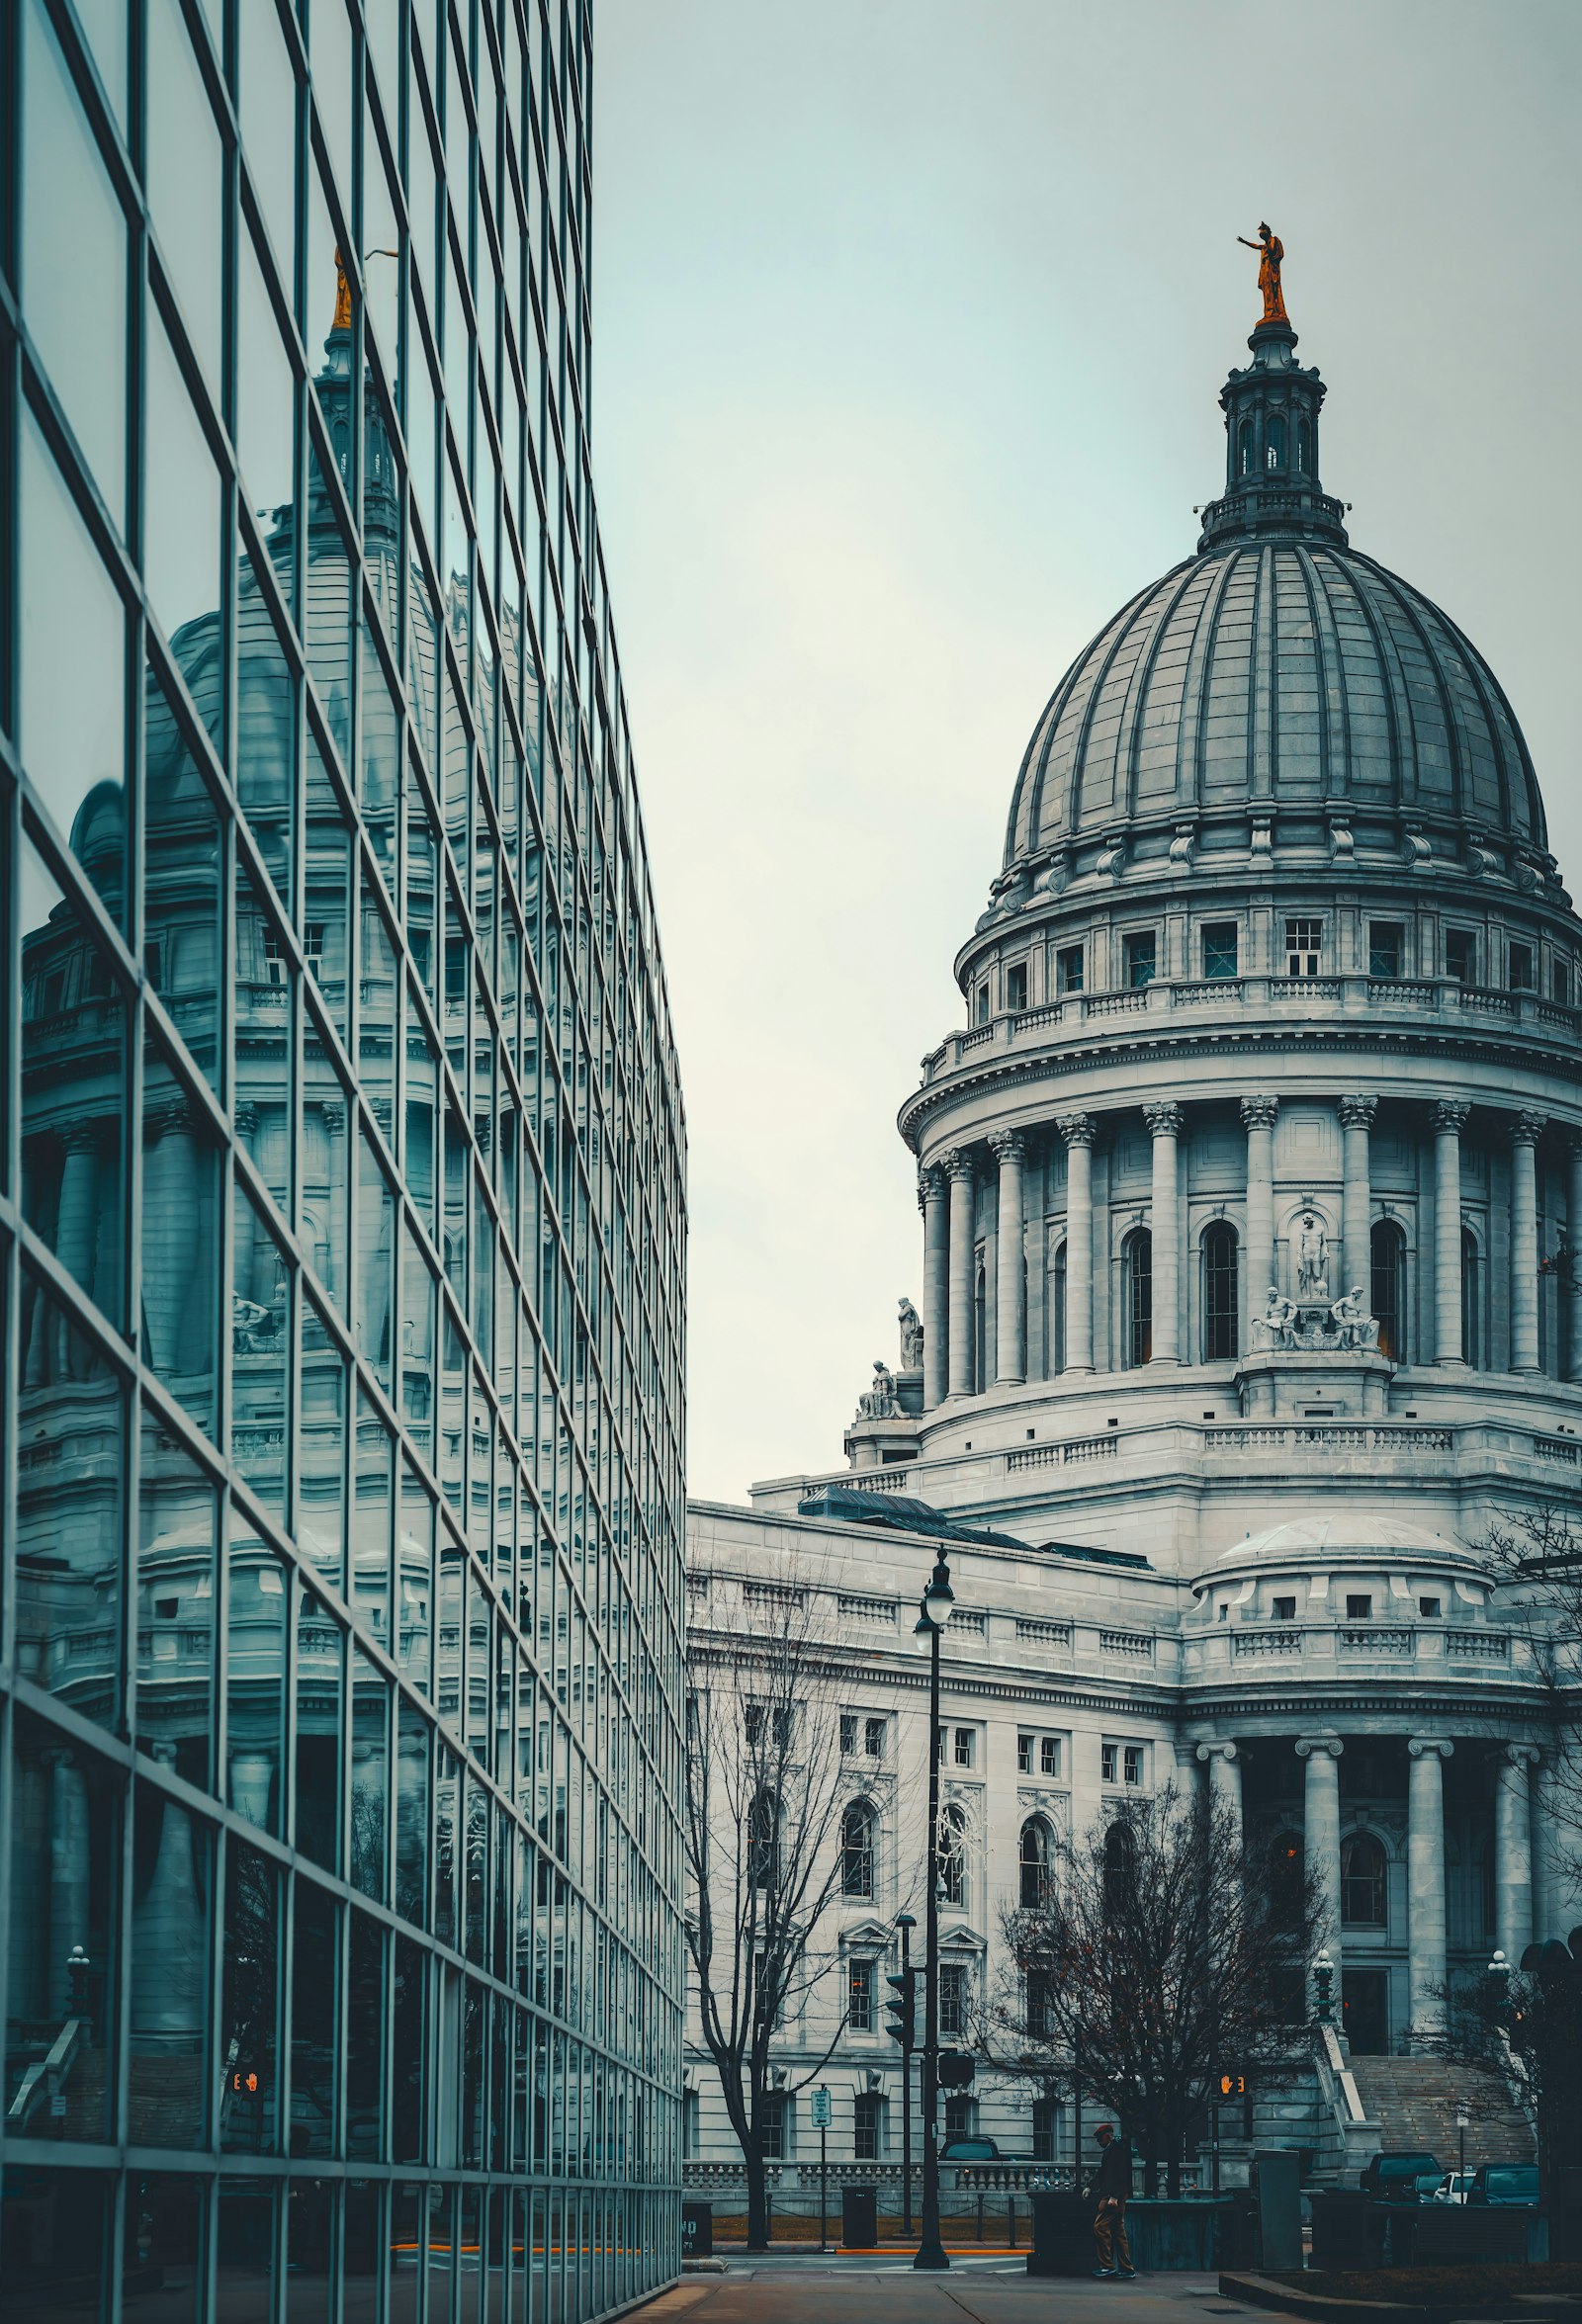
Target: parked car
1505,2184
1428,2184
1453,2187
1392,2178
971,2150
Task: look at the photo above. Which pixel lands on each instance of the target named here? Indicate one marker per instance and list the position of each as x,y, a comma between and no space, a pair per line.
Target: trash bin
697,2231
1062,2235
859,2218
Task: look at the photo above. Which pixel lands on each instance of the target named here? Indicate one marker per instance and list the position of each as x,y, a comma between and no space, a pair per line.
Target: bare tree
1537,1556
1165,1947
764,1846
1525,2026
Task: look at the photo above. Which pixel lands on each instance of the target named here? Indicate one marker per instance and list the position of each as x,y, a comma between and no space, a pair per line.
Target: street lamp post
932,1616
906,1924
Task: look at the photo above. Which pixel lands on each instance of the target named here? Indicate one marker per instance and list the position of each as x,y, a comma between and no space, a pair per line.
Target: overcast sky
909,325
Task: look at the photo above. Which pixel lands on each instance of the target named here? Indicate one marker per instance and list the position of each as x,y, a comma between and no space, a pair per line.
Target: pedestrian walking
1112,2186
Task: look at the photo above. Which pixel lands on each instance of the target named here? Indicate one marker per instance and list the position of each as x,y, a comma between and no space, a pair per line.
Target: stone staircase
1415,2100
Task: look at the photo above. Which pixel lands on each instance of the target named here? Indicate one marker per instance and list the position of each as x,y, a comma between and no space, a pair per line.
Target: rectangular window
1068,969
860,1996
958,2117
873,1737
1430,1609
1459,958
865,2131
966,1746
1304,942
1025,1744
952,1999
848,1731
1522,977
1284,1609
1109,1759
774,2125
941,1737
1017,987
1358,1607
1220,949
1560,985
1045,2117
1132,1762
983,1005
1049,1754
1141,959
1386,948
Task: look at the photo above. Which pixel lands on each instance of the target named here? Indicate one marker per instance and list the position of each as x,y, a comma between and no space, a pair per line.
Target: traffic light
956,2070
1233,2085
902,2009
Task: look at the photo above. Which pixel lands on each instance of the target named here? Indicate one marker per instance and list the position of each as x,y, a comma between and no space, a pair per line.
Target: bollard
979,2214
1010,2217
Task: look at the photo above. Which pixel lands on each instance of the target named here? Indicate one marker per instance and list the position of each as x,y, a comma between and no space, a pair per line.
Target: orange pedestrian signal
1233,2086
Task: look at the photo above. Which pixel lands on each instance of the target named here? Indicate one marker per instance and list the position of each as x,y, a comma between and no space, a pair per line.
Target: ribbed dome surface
1281,674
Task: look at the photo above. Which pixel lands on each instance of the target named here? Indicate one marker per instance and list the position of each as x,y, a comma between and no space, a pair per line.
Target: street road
775,2291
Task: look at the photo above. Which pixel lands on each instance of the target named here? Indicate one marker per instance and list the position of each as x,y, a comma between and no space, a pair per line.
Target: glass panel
412,1643
73,1089
66,1865
172,1882
365,2043
104,24
326,912
185,188
320,1679
56,2227
267,103
249,2022
266,991
370,1584
183,885
326,610
412,1818
255,1693
330,56
74,259
323,1164
369,1776
322,1482
260,1344
423,860
175,1608
265,418
72,619
378,997
182,547
245,2255
180,1238
312,2030
375,1234
418,1301
381,757
70,1414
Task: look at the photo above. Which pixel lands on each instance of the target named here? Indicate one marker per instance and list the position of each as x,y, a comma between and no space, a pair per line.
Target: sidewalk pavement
880,2289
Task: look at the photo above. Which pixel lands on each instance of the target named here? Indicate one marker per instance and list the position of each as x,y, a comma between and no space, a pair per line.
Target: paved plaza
886,2290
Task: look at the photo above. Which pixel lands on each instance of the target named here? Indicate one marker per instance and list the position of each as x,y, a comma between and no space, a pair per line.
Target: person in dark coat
1112,2186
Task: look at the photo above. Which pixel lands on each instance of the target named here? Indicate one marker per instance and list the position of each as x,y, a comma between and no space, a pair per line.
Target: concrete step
1415,2102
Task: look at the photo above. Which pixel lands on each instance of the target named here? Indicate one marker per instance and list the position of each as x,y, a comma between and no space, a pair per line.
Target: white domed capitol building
1245,1314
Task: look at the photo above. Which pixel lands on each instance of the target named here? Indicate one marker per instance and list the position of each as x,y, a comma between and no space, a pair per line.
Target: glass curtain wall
341,1191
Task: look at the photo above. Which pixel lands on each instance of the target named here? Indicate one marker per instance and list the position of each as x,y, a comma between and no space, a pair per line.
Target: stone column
169,1203
1258,1118
1321,1833
1164,1127
1357,1199
1224,1777
1525,1129
963,1186
1449,1120
1425,1880
1573,1245
1513,1849
1077,1132
1009,1150
934,1204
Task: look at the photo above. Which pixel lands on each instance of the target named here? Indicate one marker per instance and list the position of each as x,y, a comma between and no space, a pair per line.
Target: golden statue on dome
1271,250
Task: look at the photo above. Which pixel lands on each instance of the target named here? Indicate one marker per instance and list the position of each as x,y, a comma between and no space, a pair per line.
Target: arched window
1057,1313
1220,1292
1277,443
954,1857
1035,1864
1121,1867
1244,449
1388,1254
1137,1268
1304,447
856,1849
1471,1300
1289,1880
764,1841
1363,1889
980,1328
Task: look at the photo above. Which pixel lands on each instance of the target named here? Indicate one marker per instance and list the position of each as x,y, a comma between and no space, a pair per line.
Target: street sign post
821,2110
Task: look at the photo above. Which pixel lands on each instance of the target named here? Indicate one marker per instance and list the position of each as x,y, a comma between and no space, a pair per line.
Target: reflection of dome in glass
1277,669
99,839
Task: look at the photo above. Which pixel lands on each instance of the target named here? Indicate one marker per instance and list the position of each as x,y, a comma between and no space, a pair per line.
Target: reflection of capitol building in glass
344,1260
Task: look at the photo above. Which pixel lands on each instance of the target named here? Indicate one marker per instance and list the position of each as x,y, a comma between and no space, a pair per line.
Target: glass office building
341,1192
